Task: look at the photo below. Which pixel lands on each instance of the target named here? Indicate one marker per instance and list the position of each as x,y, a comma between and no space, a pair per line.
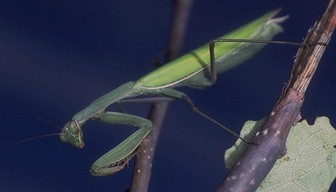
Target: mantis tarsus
196,69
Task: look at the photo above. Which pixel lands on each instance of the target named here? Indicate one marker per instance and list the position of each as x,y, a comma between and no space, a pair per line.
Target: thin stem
146,150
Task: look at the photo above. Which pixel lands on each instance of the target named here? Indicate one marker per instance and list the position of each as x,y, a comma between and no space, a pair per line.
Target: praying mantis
197,69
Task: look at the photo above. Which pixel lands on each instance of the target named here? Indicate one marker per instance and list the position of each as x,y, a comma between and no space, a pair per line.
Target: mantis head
72,134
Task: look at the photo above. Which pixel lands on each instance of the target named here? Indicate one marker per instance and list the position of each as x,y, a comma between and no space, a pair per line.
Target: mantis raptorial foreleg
103,165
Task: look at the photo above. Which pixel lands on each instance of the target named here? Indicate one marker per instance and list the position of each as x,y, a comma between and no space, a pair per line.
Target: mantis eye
73,127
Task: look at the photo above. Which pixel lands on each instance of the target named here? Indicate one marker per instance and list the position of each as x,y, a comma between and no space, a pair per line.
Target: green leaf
308,165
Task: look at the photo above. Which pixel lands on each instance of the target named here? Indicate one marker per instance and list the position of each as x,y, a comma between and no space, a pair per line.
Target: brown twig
146,150
254,165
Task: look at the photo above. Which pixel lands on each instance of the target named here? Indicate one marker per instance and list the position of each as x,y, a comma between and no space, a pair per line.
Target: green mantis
196,69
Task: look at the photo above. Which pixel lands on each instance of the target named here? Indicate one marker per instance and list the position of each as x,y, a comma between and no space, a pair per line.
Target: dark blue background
58,56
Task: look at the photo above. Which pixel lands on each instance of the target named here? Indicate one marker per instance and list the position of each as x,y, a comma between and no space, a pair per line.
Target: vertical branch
256,162
146,150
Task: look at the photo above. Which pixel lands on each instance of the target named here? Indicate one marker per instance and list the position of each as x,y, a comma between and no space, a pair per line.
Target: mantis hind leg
210,73
212,69
213,73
